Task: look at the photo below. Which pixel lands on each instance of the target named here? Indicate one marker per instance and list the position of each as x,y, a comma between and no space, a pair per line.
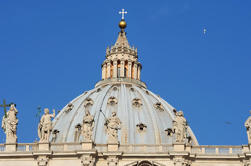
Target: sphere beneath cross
122,24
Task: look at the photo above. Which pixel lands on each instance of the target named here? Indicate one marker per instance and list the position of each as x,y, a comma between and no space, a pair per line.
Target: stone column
122,68
139,70
103,70
135,70
129,69
115,69
109,70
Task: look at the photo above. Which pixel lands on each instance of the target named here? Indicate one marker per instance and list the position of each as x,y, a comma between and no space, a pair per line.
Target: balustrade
137,148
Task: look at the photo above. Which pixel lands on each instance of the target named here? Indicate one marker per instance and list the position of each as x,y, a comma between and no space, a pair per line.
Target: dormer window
112,101
136,102
141,127
159,106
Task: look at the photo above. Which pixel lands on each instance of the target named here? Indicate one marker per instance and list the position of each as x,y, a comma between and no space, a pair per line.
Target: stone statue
248,127
45,126
9,124
113,124
180,127
87,126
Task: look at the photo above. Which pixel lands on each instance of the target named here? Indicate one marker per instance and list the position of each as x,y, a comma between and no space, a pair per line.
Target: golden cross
123,12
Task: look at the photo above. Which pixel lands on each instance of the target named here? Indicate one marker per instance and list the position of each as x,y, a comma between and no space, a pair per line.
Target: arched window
145,163
118,69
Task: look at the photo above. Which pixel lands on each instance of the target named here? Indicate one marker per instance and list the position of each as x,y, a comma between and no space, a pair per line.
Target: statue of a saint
248,127
180,127
87,126
9,124
113,124
45,126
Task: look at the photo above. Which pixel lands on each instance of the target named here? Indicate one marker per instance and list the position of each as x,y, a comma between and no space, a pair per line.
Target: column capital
115,61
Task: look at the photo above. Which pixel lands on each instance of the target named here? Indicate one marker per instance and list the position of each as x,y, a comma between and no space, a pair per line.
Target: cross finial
5,106
123,12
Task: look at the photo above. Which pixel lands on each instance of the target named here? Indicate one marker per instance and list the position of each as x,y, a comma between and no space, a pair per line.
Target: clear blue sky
51,52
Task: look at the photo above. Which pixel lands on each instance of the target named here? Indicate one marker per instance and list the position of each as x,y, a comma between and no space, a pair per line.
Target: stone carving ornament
113,124
112,161
179,161
180,127
87,126
88,103
45,126
42,161
246,163
87,160
136,102
69,107
248,127
112,101
9,124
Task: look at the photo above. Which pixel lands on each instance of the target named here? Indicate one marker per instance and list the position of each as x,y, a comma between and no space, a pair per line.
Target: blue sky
51,52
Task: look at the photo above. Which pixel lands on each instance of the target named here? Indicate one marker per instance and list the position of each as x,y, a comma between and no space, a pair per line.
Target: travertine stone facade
65,154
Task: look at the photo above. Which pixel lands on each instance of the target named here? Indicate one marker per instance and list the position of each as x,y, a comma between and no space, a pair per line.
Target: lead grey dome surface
144,116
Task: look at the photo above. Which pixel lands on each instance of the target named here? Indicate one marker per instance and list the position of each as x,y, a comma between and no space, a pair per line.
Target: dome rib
155,121
102,105
151,115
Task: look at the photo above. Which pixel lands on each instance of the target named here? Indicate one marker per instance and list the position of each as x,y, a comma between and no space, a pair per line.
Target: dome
144,115
146,118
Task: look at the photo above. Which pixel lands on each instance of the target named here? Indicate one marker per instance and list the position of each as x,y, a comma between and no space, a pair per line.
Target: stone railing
138,148
22,147
119,80
145,148
218,149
